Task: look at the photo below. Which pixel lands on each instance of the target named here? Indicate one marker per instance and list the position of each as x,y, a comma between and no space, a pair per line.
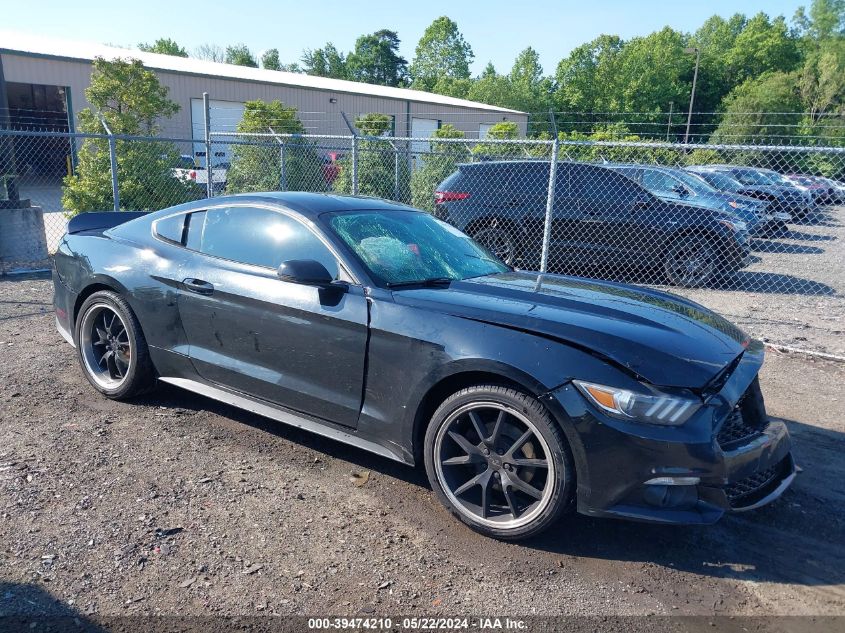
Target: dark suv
600,218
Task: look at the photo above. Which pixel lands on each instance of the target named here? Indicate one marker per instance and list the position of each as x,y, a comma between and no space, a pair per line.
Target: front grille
751,489
736,429
747,420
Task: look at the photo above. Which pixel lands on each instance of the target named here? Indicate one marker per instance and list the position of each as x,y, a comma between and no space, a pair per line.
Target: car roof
307,204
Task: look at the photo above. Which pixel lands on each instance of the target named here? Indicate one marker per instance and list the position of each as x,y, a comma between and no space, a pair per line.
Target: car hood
663,339
774,190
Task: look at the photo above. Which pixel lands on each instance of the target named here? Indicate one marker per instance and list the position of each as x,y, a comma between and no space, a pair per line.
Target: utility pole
690,51
669,125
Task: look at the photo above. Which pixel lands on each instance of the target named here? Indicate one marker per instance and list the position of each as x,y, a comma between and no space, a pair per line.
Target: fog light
673,481
671,496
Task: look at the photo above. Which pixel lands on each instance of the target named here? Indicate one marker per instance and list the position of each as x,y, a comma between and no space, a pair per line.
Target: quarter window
172,228
257,236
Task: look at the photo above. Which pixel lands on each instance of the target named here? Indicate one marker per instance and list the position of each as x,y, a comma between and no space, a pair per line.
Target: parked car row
691,224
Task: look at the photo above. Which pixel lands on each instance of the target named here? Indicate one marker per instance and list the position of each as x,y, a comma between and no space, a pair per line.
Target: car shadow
172,397
797,539
772,246
773,283
792,234
30,607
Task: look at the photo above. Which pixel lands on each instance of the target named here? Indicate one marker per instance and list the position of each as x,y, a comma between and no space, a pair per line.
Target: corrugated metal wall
316,109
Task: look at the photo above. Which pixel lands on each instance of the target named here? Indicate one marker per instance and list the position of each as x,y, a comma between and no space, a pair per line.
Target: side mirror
681,190
308,272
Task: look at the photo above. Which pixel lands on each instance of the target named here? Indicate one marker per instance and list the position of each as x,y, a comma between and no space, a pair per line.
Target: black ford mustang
380,326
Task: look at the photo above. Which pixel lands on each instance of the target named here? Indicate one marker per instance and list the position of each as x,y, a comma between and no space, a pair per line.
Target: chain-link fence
755,232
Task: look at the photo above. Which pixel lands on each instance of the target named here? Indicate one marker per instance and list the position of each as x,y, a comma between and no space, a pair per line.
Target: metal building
45,82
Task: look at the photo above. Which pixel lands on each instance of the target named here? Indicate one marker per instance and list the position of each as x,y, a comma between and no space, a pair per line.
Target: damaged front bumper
731,458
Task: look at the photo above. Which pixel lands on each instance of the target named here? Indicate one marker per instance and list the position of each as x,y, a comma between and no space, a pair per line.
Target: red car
331,166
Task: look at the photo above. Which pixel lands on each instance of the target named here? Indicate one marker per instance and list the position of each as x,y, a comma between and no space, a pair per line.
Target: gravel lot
803,274
175,504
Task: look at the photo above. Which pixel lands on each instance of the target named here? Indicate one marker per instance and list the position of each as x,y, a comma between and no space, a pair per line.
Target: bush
436,167
378,175
256,165
131,100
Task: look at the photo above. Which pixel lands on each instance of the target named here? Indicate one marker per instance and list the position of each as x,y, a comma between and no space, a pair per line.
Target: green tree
257,166
822,84
761,108
715,39
825,19
764,45
131,101
654,70
379,173
530,90
270,59
210,52
240,55
502,131
325,62
490,87
588,79
441,52
376,60
164,46
374,124
437,166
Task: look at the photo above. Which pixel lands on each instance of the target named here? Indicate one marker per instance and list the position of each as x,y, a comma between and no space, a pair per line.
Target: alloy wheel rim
497,242
693,264
494,465
106,348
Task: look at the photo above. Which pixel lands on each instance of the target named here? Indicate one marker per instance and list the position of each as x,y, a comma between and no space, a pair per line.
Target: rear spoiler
101,220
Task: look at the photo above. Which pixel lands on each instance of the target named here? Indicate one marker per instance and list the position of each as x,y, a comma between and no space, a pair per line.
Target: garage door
225,116
422,128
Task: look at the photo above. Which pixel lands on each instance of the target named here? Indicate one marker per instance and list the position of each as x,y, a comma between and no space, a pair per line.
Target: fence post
115,189
354,132
550,199
283,178
209,170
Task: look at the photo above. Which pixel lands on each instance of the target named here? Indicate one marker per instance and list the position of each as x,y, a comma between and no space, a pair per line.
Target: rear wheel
111,347
498,461
499,241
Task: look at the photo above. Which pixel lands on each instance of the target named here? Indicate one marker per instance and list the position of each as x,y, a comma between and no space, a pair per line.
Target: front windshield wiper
426,283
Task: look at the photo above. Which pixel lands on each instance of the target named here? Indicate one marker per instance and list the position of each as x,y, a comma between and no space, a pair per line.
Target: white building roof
16,42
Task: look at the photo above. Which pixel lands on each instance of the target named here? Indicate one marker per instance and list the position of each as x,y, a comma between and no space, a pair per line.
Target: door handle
198,286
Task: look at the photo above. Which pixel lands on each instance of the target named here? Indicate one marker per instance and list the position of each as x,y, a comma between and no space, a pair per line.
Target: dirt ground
175,504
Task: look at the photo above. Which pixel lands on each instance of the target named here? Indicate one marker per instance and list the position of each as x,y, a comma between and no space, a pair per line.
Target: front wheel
499,462
691,261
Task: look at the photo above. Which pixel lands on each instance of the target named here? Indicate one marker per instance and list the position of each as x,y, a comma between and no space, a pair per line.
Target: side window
528,181
259,237
603,185
661,184
172,228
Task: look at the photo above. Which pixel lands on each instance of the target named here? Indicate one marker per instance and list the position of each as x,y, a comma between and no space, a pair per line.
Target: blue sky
496,29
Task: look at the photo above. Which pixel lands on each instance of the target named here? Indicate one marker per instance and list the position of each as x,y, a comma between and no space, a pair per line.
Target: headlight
649,408
735,225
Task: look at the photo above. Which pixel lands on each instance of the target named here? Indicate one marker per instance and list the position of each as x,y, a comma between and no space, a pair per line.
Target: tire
499,241
111,347
691,261
484,478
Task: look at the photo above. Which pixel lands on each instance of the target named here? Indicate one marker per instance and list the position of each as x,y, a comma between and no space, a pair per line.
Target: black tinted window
171,228
595,183
257,236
